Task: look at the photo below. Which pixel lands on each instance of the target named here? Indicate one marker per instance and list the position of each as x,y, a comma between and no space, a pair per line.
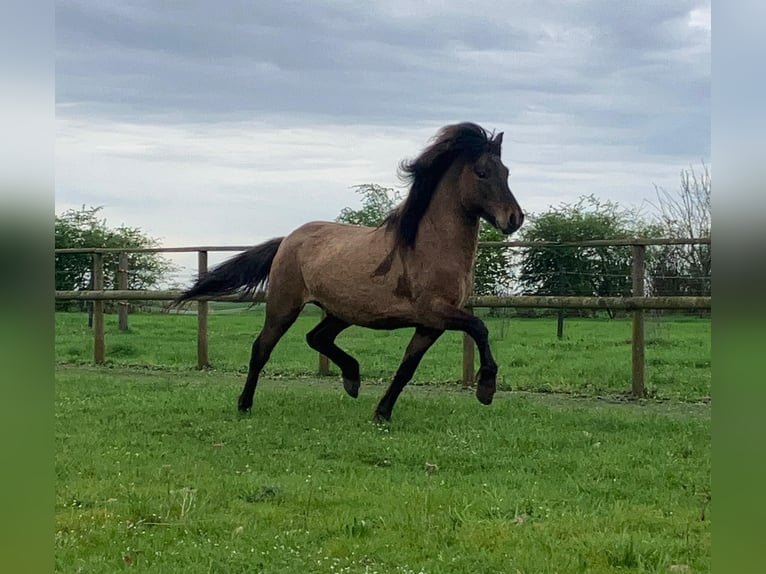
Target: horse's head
485,192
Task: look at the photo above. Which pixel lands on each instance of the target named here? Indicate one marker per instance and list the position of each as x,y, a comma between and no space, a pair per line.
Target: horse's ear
497,143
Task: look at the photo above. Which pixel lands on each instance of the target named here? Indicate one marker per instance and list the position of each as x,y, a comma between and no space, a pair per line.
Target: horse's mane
466,141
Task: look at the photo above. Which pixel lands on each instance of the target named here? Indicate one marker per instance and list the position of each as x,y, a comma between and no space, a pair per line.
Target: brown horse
415,270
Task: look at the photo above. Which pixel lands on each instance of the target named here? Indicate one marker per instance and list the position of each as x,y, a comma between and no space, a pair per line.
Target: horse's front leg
449,317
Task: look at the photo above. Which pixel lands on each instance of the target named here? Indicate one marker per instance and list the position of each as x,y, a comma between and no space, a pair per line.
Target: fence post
89,304
560,322
122,283
639,267
469,350
324,362
202,309
98,310
324,366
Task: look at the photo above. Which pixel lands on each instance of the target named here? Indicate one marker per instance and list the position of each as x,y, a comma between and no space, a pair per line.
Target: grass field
594,357
157,473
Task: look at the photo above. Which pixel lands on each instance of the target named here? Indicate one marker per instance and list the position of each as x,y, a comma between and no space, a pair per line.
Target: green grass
594,357
157,473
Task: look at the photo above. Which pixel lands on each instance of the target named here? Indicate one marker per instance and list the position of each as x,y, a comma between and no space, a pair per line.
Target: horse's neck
447,232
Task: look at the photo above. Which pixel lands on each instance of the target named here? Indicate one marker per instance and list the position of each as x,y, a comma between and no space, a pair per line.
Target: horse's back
325,243
335,266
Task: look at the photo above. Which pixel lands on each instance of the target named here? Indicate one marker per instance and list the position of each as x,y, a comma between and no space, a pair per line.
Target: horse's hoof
351,386
243,407
381,418
485,394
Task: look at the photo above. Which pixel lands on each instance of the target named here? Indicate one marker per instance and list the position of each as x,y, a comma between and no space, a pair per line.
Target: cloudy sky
233,122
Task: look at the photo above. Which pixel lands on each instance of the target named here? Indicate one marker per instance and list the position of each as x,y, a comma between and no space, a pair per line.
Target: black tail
246,272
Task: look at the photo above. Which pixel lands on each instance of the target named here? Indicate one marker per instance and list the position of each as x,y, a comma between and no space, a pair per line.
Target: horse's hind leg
420,343
277,322
322,339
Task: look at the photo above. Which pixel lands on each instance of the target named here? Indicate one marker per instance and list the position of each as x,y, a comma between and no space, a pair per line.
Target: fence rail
589,243
637,303
488,301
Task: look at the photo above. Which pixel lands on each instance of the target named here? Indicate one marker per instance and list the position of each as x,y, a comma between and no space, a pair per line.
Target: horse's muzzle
514,223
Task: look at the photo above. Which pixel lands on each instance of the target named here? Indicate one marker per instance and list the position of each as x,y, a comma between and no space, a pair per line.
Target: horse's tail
245,272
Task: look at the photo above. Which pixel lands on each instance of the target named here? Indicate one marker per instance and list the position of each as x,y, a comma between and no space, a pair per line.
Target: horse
414,270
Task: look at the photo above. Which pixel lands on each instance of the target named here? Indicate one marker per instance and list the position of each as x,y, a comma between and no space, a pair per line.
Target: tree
685,213
377,203
491,272
584,271
78,228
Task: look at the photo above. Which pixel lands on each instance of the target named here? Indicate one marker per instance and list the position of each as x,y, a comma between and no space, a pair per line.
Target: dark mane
466,141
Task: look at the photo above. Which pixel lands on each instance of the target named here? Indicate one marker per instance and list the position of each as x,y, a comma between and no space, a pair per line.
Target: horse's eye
481,174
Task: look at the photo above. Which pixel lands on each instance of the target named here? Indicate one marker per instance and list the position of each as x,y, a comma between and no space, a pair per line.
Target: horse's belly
365,303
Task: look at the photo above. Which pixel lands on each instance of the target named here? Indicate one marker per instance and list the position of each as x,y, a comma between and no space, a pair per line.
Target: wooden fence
637,303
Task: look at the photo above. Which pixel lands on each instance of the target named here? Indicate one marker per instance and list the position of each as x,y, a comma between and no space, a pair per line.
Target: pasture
157,472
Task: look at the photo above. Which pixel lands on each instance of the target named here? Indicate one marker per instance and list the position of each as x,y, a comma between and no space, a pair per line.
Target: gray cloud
250,118
352,62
